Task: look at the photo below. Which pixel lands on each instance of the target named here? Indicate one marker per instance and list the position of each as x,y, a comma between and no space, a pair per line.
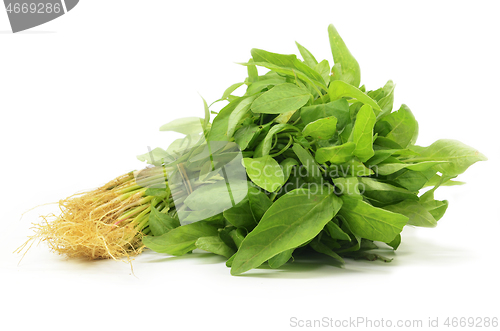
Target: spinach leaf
218,130
313,170
307,56
404,127
214,244
237,114
351,73
416,212
319,247
293,219
281,99
323,68
457,155
280,259
247,135
370,222
335,154
324,128
362,134
180,240
386,103
287,61
186,125
161,223
390,168
338,109
241,215
335,232
383,193
339,89
287,166
265,172
259,202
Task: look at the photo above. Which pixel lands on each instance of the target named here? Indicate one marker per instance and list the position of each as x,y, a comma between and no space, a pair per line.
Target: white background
82,95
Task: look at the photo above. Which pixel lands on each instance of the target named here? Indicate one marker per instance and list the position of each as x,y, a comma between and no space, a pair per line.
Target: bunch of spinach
330,166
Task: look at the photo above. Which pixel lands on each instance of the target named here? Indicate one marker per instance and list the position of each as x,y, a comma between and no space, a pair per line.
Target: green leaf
307,161
349,186
362,134
338,109
280,259
203,197
285,117
307,56
240,215
411,180
293,73
383,193
459,156
246,135
229,262
287,165
370,222
157,192
336,72
218,130
335,154
298,68
161,223
436,179
351,168
436,208
215,245
228,92
237,114
293,219
321,129
387,102
323,68
186,125
351,73
416,212
154,157
281,99
385,169
396,242
238,236
206,121
339,89
180,147
259,202
319,247
265,172
380,156
180,240
257,87
253,73
404,127
335,232
224,235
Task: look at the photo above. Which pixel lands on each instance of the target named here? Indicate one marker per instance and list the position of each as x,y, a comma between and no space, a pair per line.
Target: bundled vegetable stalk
108,222
306,160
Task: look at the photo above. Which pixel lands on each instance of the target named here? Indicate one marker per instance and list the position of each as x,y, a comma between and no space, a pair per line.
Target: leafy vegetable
281,99
306,160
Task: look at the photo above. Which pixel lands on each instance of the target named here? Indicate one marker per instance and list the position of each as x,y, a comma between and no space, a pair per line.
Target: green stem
290,141
142,219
